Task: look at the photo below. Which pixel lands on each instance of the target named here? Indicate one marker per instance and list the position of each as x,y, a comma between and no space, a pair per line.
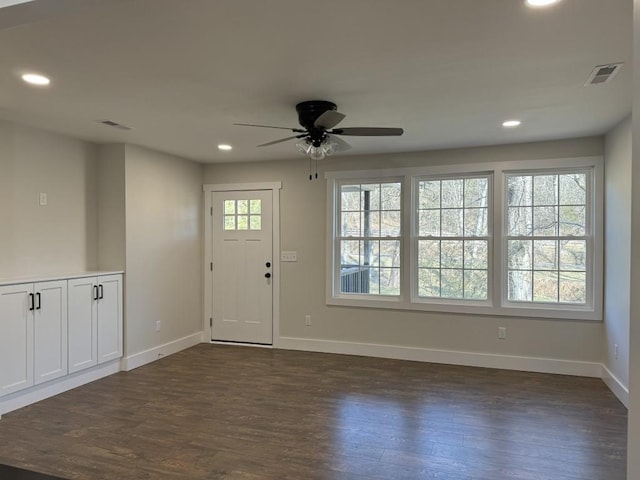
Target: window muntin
369,238
452,238
548,237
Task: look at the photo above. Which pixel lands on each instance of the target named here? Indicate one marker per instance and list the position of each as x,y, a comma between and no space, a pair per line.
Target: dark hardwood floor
226,412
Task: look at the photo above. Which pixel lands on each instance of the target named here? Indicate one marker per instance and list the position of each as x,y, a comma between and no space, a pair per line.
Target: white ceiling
180,73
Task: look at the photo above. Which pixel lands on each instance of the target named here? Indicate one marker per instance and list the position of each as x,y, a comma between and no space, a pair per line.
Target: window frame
336,240
594,245
415,239
497,304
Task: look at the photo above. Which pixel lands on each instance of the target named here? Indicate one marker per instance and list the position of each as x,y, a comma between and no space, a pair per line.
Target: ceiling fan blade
368,131
341,145
281,140
270,126
328,119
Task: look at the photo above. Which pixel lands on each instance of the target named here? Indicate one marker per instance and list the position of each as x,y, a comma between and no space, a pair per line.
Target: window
547,237
369,238
243,214
496,239
452,238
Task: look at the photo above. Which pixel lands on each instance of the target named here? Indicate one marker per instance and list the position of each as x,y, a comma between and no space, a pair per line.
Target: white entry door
242,266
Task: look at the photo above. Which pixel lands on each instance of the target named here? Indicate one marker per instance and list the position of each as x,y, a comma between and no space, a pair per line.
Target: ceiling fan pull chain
310,176
316,169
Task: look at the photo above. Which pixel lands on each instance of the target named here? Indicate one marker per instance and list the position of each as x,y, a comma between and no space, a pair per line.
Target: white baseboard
615,385
54,387
451,357
142,358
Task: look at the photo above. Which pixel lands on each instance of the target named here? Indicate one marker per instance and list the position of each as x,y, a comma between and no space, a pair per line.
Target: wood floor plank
239,413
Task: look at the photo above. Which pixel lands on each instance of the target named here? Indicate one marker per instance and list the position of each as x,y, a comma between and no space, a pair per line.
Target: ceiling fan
319,138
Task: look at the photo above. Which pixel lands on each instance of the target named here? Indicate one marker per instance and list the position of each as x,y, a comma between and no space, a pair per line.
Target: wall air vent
603,74
113,124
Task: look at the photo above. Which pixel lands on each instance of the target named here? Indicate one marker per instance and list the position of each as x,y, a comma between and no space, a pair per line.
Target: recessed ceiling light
540,3
511,123
224,147
35,79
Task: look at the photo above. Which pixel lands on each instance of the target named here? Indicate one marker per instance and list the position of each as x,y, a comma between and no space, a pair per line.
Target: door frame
207,272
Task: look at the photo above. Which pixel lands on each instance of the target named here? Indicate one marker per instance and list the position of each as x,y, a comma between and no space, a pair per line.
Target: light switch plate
43,199
288,256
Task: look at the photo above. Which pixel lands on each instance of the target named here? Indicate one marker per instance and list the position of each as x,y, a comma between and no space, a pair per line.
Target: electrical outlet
307,320
42,197
502,333
158,325
615,351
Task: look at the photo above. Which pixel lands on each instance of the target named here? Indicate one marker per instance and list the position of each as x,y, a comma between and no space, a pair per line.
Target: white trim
615,385
208,189
464,168
240,344
156,353
51,278
40,392
227,187
451,357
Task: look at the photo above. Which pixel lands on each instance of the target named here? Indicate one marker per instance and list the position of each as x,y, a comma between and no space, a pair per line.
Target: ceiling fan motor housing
308,112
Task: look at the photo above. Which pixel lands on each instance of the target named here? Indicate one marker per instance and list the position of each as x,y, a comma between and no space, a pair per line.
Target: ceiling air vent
117,125
603,74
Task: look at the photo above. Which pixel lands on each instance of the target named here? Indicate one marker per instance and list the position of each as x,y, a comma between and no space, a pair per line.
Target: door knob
267,275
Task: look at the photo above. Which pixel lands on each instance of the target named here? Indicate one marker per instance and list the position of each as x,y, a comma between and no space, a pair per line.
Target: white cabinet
109,317
16,338
49,331
95,321
83,323
33,334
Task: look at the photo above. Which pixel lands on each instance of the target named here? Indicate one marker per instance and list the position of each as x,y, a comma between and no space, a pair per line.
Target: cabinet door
83,323
16,338
109,318
50,331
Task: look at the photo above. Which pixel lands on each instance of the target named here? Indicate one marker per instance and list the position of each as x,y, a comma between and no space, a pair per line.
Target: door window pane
236,214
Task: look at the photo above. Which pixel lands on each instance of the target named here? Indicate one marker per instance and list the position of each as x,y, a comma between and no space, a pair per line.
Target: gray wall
617,250
633,442
62,236
111,207
163,248
303,283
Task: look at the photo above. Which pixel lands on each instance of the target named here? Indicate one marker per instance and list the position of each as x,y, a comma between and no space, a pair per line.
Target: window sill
474,309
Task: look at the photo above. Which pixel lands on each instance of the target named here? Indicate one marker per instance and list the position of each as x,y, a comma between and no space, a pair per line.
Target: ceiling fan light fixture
316,153
329,146
326,148
303,145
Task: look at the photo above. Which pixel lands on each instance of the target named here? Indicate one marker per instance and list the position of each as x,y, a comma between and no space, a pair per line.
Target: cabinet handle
95,292
101,292
31,302
39,301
